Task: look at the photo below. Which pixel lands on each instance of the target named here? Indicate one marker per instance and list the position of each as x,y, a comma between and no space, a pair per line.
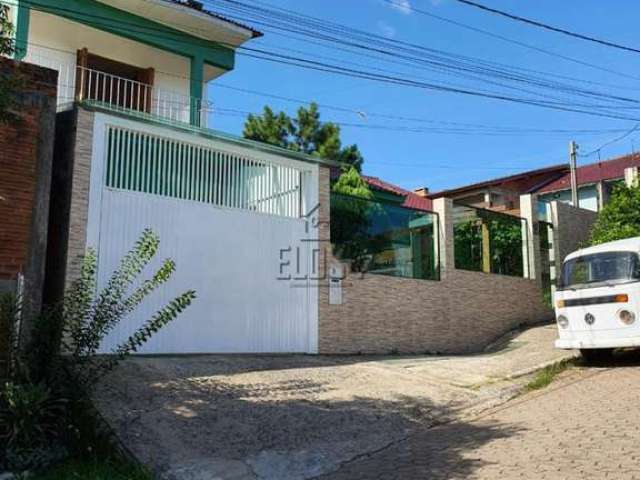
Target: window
600,269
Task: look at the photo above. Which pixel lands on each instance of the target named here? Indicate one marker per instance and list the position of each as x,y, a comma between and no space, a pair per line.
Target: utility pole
573,154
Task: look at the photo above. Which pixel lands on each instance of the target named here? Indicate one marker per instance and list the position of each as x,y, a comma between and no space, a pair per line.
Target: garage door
233,222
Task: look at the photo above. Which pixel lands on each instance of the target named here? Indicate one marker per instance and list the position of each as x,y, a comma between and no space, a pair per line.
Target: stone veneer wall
462,313
69,199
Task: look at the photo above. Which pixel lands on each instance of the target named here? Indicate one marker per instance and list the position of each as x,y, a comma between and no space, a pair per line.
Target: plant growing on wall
45,406
351,210
620,217
468,245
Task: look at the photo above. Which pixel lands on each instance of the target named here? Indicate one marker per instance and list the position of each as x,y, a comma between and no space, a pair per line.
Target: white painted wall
54,41
587,196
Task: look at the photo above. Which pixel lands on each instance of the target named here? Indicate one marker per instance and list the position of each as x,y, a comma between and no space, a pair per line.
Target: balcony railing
76,83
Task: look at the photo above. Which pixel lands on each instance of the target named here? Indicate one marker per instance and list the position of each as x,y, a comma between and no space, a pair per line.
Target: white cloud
386,29
403,6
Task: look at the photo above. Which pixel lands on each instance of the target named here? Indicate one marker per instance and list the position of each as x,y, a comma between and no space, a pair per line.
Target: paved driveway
293,417
584,426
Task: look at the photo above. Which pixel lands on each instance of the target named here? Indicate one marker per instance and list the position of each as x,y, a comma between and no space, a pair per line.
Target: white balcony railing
77,83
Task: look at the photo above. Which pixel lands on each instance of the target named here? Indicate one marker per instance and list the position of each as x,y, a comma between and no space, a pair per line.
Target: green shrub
28,413
45,408
620,217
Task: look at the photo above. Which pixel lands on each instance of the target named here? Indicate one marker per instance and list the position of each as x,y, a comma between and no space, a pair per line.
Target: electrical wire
611,142
552,28
598,110
527,46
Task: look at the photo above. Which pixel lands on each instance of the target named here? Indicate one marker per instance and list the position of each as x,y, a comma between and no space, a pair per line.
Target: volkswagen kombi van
597,302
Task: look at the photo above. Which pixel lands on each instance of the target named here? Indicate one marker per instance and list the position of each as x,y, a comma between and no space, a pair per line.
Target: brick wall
20,146
26,151
463,312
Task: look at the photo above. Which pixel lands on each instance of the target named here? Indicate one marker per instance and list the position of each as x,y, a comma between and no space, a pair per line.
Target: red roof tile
520,181
595,172
411,200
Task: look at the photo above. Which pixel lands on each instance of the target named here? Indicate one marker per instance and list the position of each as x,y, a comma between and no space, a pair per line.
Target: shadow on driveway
219,416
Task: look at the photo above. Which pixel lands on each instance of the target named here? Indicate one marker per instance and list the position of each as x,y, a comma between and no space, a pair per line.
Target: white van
597,302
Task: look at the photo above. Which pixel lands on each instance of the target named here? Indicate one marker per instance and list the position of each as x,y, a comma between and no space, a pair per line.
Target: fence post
444,208
529,211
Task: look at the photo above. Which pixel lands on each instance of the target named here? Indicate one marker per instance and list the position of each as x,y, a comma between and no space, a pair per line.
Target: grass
96,469
545,376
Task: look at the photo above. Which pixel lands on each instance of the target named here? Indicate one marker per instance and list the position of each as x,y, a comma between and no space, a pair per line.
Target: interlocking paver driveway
585,426
295,417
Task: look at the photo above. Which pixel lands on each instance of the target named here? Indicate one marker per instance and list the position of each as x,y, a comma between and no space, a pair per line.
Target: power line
527,46
611,142
363,114
598,110
550,27
294,22
508,129
333,67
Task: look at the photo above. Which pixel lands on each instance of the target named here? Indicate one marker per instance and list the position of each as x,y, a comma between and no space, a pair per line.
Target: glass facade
384,238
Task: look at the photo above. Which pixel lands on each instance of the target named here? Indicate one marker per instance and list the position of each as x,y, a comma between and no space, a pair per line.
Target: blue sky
447,160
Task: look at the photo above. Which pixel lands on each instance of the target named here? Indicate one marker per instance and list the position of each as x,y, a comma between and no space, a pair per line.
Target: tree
351,183
305,134
7,44
351,215
7,48
620,217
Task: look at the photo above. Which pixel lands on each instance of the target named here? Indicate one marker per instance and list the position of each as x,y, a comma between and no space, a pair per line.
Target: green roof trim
128,25
208,133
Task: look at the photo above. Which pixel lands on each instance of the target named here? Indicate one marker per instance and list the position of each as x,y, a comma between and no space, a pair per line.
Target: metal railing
76,83
147,163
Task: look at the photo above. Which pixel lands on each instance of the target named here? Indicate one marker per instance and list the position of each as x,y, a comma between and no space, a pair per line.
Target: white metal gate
228,220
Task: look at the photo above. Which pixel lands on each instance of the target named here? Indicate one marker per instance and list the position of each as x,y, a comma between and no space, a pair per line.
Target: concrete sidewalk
294,417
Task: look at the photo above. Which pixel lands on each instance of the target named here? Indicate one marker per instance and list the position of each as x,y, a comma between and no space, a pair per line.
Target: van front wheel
596,354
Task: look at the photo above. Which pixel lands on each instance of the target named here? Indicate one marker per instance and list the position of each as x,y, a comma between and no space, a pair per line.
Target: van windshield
600,269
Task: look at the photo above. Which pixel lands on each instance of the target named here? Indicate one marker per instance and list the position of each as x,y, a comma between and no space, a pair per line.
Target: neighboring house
131,152
500,194
596,181
385,191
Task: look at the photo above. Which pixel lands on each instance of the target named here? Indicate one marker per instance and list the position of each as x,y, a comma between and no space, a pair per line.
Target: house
596,181
247,224
503,193
132,151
